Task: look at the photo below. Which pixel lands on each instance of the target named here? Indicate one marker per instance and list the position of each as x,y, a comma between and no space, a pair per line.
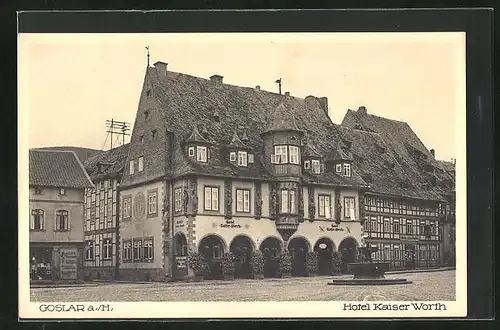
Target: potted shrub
198,265
336,263
228,265
312,263
285,263
257,264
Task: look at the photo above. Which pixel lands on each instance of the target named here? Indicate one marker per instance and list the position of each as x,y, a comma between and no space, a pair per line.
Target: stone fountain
367,272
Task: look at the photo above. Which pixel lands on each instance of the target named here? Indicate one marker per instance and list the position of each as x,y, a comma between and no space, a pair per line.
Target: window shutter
328,205
208,198
321,211
284,201
215,199
292,201
247,201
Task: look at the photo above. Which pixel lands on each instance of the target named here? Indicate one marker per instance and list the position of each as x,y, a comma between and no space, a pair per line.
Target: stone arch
309,247
180,244
246,237
242,247
213,247
298,247
271,247
272,237
325,255
348,251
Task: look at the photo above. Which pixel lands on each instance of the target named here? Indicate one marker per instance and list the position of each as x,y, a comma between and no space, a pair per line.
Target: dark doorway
212,248
298,248
41,263
410,258
325,248
271,250
242,247
348,251
180,255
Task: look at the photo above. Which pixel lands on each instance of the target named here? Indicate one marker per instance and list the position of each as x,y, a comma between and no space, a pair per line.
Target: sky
70,84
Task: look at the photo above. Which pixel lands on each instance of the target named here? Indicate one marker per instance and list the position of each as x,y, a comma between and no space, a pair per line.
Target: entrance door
212,248
410,257
298,248
242,247
348,251
180,257
325,248
271,250
41,263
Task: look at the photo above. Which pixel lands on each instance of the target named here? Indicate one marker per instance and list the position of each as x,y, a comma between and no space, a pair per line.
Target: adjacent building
214,168
57,183
101,213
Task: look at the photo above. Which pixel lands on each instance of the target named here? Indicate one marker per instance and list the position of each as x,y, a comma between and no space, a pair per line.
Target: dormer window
140,166
232,156
316,166
131,167
250,159
201,154
307,164
191,151
347,169
242,158
338,168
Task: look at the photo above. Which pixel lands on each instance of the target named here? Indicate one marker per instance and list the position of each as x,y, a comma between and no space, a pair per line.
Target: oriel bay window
211,199
349,208
324,202
37,220
62,222
243,200
281,155
288,201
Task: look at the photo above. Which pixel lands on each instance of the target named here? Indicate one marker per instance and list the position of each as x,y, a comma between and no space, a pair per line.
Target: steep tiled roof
236,141
423,177
310,151
340,154
107,163
196,136
51,168
82,153
180,100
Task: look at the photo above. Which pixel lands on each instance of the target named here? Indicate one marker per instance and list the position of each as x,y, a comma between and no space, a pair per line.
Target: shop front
56,262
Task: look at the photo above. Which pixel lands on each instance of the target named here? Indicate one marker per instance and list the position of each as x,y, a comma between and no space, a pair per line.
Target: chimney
323,102
362,110
287,93
257,88
433,153
161,68
216,78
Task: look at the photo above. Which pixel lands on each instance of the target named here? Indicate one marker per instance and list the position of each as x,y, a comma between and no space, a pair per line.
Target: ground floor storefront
56,261
407,255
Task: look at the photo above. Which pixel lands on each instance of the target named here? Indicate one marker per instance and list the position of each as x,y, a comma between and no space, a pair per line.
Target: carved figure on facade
194,195
311,205
185,200
338,206
273,202
228,194
258,200
362,208
301,203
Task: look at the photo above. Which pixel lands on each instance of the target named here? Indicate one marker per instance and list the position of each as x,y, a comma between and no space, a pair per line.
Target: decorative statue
338,207
228,192
185,199
362,208
194,195
312,207
301,204
273,202
258,200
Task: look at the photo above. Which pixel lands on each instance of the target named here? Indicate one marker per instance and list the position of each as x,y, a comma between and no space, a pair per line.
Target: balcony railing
287,221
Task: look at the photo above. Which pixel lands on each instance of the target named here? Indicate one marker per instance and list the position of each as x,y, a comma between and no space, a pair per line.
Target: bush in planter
336,262
228,264
285,262
312,262
197,263
257,263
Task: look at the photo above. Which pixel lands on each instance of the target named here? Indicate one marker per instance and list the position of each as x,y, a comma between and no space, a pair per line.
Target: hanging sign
322,246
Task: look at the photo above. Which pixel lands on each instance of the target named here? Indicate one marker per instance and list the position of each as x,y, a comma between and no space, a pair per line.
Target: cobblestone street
426,286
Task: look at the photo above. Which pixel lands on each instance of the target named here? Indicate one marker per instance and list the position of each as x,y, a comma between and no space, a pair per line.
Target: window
127,201
338,168
62,222
324,203
154,134
107,248
281,154
242,158
89,250
137,252
37,220
131,167
38,191
242,200
211,199
347,169
191,151
127,250
146,115
287,201
62,191
307,164
250,159
294,155
409,227
349,211
387,226
152,202
201,154
396,226
140,166
232,156
316,168
178,199
148,250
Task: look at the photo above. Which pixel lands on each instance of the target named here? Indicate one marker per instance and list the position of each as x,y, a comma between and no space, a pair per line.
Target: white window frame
281,154
152,202
315,166
178,199
201,154
211,195
325,206
140,165
148,247
89,250
62,191
191,151
338,168
294,155
232,156
127,250
287,201
243,200
250,159
107,248
137,246
131,167
126,213
62,217
307,164
33,224
242,158
349,203
347,169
